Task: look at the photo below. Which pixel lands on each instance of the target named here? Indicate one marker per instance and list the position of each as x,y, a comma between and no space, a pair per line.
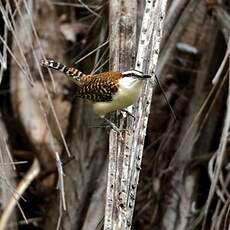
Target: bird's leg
112,125
130,114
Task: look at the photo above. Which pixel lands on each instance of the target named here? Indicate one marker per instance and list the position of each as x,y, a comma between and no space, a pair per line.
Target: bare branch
126,152
22,186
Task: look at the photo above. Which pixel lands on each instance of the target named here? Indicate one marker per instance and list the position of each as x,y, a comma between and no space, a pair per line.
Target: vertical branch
126,153
143,107
122,56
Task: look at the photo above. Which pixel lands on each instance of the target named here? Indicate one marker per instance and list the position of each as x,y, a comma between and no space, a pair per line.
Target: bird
108,91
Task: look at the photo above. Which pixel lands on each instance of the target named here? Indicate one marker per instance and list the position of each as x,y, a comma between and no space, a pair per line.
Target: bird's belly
122,99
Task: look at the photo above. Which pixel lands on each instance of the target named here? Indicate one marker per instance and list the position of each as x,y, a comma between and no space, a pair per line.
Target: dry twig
22,186
220,154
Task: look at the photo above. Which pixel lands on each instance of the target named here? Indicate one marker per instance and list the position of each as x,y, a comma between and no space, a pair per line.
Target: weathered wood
7,177
126,150
122,57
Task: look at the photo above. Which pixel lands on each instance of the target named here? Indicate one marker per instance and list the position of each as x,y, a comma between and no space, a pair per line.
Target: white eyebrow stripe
132,72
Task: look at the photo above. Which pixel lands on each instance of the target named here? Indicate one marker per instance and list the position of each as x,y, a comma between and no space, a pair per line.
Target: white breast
128,93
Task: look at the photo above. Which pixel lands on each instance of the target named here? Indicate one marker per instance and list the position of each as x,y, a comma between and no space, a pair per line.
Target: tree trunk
184,174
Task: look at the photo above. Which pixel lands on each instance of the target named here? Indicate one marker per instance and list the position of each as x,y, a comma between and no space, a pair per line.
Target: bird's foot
113,126
130,114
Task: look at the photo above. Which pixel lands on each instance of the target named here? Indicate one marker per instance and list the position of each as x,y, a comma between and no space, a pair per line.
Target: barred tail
73,73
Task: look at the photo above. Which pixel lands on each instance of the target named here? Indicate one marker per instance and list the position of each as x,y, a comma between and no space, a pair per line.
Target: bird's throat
128,93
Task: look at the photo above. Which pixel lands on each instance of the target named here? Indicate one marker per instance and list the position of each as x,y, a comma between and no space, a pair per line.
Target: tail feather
73,73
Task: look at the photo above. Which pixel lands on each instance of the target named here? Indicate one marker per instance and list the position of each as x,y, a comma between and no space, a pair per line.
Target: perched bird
108,91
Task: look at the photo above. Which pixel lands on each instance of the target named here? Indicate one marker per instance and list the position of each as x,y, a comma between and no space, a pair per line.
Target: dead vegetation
184,177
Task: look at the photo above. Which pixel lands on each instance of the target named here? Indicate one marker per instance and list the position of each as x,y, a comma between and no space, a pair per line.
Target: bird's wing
99,88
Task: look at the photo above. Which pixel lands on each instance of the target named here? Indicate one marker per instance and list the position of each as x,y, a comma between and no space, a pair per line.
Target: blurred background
184,181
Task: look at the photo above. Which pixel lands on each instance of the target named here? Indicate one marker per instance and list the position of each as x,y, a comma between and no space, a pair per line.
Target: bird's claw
130,114
114,127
